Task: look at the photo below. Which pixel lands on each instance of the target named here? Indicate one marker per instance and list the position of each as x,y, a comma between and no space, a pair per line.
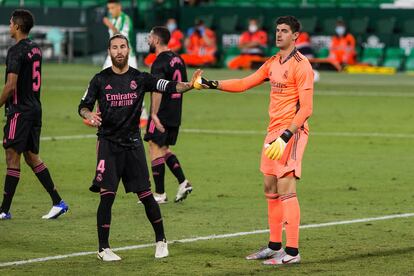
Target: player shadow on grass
353,257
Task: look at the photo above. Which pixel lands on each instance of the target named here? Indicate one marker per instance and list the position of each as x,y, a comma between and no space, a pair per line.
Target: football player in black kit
119,91
21,94
162,130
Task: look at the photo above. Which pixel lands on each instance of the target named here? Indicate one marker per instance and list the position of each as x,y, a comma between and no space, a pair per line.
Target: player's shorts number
36,76
101,166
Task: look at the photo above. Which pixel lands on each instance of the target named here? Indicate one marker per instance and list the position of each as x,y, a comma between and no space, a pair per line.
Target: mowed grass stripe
251,132
210,237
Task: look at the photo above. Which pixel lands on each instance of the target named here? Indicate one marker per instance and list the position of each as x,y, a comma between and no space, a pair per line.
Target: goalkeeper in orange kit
291,91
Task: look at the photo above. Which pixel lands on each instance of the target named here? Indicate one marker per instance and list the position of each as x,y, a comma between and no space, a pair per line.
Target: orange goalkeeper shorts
292,157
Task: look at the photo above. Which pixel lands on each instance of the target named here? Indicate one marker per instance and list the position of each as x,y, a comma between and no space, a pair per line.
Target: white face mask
340,30
171,27
252,28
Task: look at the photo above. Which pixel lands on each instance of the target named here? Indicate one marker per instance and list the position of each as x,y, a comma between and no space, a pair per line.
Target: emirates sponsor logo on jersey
121,99
277,87
133,85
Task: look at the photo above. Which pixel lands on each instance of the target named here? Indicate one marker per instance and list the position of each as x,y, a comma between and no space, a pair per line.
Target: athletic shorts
21,134
166,138
291,159
115,163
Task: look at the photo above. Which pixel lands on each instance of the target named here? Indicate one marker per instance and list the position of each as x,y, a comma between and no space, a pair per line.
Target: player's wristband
287,134
212,84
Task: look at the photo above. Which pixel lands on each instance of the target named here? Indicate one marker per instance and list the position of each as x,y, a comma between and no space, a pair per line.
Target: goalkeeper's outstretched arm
234,85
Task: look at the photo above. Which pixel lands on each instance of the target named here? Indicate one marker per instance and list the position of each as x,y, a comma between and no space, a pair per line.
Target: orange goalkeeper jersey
291,89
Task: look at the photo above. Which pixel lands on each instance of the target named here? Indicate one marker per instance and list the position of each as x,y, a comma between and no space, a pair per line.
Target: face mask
171,27
340,30
252,28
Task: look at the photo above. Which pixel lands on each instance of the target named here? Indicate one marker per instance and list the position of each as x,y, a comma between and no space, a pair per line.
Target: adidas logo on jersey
108,87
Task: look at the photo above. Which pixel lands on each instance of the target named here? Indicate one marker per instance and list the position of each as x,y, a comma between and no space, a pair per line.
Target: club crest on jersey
133,85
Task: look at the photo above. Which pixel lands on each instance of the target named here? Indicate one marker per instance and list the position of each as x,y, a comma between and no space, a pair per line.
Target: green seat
372,56
370,60
408,27
308,24
409,64
385,26
322,53
393,62
394,52
227,23
358,26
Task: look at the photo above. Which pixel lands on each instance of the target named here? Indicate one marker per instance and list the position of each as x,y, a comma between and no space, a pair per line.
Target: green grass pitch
358,164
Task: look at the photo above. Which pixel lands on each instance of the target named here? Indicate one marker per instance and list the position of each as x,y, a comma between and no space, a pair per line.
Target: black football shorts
115,163
166,138
22,134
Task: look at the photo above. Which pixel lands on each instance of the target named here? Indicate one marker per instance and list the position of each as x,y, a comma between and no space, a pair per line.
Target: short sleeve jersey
123,24
25,60
170,66
287,79
120,100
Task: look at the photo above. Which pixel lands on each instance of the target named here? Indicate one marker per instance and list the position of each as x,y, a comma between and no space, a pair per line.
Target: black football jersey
120,100
170,66
25,60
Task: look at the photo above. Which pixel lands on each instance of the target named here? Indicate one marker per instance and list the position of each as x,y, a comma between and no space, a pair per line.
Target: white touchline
249,132
211,237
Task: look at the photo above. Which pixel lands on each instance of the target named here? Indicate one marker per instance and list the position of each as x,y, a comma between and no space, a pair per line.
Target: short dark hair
121,36
24,19
163,33
113,1
291,21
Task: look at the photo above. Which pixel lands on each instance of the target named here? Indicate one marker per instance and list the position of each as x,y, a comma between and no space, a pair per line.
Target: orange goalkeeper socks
291,217
275,215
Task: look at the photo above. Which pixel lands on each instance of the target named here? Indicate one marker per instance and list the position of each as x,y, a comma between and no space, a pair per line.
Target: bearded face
119,52
119,60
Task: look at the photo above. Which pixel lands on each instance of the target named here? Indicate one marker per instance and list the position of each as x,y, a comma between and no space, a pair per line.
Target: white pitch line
250,132
211,237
